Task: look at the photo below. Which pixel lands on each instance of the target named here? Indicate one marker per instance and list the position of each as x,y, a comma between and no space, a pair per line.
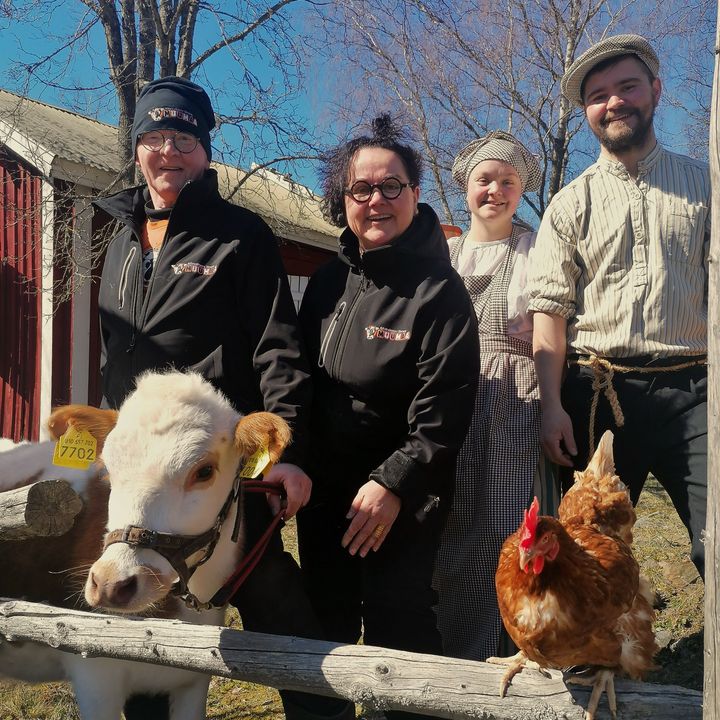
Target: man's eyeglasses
390,188
155,140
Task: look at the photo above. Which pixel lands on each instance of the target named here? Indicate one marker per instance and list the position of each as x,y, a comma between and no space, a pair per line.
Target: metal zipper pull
432,502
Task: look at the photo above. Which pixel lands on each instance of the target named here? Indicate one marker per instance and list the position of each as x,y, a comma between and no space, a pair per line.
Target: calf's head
171,453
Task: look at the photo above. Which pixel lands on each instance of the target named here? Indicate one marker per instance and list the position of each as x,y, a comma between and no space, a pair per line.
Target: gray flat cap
574,76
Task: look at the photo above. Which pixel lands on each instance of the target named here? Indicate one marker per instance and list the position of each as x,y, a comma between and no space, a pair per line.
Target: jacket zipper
329,333
133,307
124,277
345,329
148,290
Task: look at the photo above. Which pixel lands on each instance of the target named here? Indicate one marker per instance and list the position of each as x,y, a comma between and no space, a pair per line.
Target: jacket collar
423,239
128,205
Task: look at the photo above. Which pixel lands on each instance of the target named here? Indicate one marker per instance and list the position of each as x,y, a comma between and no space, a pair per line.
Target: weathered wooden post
711,701
42,509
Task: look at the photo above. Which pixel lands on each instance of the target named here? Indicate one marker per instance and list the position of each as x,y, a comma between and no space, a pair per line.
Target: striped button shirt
624,261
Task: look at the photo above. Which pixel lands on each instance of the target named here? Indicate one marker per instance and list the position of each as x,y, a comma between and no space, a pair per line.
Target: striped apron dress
496,471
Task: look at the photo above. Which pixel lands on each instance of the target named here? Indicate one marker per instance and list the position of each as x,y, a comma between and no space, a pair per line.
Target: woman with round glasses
392,339
497,463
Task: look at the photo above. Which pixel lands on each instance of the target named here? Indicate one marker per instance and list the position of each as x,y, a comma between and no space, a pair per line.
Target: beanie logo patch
164,113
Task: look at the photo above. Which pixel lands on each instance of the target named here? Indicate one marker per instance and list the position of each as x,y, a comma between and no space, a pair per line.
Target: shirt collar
644,166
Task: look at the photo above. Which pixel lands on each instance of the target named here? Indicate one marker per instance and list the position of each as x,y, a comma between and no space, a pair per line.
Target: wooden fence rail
375,677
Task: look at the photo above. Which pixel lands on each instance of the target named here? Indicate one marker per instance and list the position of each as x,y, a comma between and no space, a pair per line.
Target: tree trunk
376,677
186,38
122,74
712,532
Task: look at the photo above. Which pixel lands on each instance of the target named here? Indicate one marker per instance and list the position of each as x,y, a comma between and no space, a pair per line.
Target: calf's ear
262,429
97,422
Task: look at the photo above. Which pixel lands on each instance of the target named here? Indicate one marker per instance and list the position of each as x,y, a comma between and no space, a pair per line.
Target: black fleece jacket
218,302
393,341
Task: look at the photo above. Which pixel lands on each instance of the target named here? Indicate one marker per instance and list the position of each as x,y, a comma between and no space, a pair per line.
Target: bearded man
618,292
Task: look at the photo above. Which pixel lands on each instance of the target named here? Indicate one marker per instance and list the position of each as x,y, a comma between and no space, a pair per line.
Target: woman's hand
297,486
556,436
372,513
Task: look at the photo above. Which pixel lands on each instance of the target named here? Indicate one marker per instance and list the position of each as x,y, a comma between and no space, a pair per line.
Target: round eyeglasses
390,188
154,140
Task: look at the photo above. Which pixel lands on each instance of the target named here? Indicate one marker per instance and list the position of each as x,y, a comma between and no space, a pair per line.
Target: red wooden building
52,163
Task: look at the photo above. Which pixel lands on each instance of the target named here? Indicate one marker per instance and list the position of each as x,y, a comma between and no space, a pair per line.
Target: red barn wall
303,260
20,297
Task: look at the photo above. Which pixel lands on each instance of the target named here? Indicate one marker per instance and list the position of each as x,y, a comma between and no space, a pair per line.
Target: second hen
570,591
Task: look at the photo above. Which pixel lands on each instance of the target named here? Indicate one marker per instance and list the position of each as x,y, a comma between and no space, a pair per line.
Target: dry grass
663,550
661,546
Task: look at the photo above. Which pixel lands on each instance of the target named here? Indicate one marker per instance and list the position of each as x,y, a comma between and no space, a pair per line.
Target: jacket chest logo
195,268
373,332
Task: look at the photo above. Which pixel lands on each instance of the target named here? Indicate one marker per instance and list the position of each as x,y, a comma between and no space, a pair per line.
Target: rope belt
603,373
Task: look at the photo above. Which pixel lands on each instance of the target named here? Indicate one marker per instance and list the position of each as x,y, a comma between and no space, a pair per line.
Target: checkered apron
495,471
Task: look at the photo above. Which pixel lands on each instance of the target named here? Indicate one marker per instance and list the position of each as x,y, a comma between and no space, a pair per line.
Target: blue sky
313,105
27,41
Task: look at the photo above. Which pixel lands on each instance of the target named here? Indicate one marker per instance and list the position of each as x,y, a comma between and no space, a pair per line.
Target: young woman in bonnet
497,463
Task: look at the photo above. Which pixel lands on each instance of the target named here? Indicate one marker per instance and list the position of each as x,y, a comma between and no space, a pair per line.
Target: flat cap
610,47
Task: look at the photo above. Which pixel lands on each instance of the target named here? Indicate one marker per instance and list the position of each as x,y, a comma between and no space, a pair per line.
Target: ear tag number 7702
75,449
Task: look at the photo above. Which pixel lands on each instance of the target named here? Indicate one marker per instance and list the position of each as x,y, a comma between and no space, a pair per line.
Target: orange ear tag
75,449
257,462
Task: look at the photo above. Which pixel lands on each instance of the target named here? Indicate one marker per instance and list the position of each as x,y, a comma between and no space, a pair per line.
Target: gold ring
378,531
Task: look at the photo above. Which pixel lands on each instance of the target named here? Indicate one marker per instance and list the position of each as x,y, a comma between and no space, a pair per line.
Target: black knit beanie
174,103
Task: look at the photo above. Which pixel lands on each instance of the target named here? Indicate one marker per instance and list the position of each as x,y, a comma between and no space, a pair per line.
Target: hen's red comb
530,525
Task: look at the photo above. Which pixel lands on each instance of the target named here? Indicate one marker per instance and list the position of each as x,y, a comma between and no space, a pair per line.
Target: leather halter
177,549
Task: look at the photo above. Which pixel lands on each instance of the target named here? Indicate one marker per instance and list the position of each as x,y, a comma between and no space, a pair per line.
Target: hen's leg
515,665
603,680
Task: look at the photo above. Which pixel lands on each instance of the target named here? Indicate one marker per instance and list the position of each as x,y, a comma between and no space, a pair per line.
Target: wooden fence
376,677
372,676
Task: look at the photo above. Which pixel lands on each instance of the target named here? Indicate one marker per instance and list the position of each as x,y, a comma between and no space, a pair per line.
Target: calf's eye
204,473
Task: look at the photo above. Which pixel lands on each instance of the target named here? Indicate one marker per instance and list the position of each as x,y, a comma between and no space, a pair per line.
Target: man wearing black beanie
193,282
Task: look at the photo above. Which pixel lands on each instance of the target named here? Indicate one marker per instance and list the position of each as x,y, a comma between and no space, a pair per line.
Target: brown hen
570,591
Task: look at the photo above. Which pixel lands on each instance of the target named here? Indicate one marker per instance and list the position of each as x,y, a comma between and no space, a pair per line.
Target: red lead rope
249,561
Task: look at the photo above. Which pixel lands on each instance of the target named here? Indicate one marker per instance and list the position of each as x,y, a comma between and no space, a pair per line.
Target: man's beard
630,137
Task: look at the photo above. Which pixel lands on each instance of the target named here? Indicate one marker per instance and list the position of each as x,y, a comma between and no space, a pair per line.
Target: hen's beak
524,558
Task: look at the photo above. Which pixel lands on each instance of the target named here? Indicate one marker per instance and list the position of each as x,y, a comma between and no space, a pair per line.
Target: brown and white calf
171,456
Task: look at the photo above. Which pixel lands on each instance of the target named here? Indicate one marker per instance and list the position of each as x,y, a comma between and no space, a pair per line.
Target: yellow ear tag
75,449
257,462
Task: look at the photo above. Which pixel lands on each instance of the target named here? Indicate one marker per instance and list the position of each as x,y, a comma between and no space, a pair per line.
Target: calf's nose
109,593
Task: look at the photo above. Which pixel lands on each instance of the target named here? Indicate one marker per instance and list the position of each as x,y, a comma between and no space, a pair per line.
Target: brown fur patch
54,569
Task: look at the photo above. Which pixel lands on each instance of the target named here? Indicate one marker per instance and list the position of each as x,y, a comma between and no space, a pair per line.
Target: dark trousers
272,600
665,432
387,596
